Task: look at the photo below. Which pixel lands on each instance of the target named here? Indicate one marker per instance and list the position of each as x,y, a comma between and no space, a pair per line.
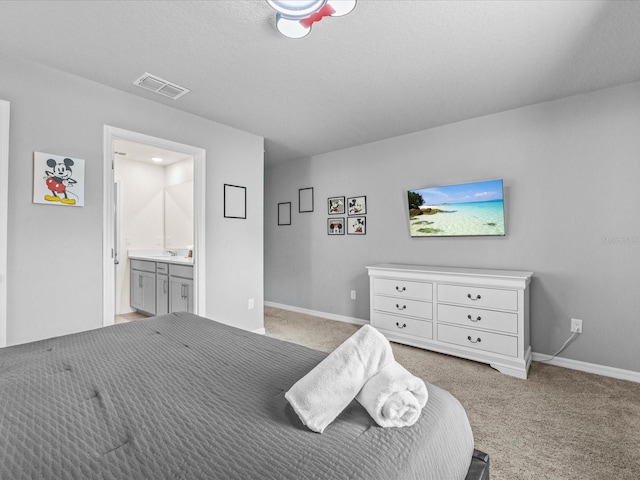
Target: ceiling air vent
160,86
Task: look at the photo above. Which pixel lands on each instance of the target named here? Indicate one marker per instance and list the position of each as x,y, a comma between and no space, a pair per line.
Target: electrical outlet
353,294
576,325
250,304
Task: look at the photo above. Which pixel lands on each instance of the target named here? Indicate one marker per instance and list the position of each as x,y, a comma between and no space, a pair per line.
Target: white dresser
482,315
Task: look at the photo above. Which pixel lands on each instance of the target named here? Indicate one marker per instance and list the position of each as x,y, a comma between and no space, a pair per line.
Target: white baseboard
589,367
315,313
260,331
612,372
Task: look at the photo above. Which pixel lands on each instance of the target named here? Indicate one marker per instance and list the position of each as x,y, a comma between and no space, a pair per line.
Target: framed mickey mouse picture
335,226
58,180
356,225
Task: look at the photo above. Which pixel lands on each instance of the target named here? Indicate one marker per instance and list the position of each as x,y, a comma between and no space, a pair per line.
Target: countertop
160,256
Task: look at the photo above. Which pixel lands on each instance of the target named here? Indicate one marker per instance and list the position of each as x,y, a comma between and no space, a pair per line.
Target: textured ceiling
388,68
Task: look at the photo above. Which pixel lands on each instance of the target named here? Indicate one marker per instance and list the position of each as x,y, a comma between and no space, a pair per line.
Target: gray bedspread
182,397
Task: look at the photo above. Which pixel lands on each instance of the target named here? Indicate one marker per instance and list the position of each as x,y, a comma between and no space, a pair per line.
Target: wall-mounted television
468,209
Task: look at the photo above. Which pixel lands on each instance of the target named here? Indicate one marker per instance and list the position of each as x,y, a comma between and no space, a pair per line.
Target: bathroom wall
141,215
178,205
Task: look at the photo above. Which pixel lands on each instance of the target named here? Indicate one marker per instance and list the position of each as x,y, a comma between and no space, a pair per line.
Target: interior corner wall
570,169
54,268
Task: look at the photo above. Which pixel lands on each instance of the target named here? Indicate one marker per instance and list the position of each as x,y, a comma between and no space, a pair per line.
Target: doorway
118,141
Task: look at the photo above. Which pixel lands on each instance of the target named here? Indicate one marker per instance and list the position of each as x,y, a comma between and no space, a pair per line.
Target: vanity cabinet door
180,294
143,291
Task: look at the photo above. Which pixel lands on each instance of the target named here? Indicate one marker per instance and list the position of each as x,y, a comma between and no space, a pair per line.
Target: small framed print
305,200
357,205
235,201
335,205
284,213
335,226
357,225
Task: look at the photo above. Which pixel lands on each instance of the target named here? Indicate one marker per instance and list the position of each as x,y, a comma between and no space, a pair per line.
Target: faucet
173,253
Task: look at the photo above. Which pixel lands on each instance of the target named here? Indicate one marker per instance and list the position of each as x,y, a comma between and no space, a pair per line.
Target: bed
182,397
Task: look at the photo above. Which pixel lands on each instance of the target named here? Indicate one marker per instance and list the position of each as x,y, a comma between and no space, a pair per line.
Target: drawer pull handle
404,325
478,340
403,307
477,319
478,297
403,289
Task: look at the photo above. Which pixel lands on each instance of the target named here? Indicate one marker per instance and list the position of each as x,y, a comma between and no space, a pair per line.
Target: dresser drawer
485,319
478,297
408,326
479,340
403,306
403,288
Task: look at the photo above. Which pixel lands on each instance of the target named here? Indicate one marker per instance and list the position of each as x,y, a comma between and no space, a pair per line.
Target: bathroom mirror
178,216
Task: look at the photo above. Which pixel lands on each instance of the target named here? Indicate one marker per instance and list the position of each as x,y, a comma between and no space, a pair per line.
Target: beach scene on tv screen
457,210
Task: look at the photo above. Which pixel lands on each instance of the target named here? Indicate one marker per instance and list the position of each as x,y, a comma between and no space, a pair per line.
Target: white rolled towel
394,397
323,393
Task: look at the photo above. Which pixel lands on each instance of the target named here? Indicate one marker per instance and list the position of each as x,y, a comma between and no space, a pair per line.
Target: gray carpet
557,424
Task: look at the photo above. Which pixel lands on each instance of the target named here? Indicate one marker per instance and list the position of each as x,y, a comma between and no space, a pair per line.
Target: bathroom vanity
161,283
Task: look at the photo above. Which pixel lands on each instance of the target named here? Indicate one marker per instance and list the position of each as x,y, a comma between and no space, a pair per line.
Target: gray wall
571,171
55,254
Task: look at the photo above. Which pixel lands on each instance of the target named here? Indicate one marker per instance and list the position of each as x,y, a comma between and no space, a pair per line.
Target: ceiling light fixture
157,159
295,17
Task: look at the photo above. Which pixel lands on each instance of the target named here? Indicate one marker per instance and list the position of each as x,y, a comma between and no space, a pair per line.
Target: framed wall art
58,180
335,205
357,225
357,205
284,213
305,200
235,201
335,226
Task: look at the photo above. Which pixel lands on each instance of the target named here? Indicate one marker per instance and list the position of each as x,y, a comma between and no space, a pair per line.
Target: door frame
4,215
199,161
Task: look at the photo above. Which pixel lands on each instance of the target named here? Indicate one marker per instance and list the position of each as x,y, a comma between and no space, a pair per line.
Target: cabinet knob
477,297
403,307
477,340
477,319
404,325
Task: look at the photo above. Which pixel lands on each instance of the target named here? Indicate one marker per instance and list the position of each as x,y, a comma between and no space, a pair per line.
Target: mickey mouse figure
58,179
